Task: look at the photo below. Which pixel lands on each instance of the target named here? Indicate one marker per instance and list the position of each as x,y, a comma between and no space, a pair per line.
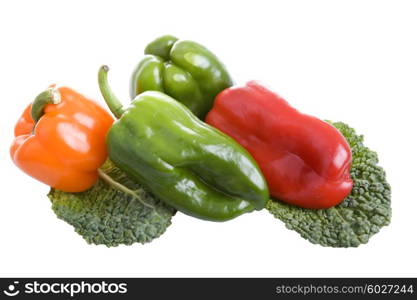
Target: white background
353,61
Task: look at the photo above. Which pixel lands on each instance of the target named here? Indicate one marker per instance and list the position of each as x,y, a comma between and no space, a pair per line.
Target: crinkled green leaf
114,211
358,217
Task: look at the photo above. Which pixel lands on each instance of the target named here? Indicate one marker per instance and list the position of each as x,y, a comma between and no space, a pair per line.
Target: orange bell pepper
60,139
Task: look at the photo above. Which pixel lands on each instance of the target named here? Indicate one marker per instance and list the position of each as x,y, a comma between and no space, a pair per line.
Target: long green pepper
182,69
184,162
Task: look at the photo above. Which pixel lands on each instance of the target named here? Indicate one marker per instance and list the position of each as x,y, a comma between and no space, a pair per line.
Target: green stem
113,103
50,96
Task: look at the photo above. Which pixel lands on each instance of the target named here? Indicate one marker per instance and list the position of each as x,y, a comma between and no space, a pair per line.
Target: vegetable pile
192,142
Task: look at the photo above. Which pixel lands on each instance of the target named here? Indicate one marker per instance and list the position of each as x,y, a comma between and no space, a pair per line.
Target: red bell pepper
305,160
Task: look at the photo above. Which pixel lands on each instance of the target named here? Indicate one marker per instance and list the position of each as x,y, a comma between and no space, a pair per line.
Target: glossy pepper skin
181,160
184,70
305,161
60,139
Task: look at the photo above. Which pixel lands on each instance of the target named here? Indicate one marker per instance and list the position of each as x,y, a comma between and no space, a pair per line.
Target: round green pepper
184,70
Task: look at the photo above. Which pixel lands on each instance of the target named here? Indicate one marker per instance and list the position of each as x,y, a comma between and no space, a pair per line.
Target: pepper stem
50,96
112,102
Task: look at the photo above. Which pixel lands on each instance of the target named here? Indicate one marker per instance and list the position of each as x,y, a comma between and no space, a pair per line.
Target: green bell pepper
184,162
182,69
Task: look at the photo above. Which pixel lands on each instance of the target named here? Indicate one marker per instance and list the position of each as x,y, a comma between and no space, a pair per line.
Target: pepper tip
105,68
